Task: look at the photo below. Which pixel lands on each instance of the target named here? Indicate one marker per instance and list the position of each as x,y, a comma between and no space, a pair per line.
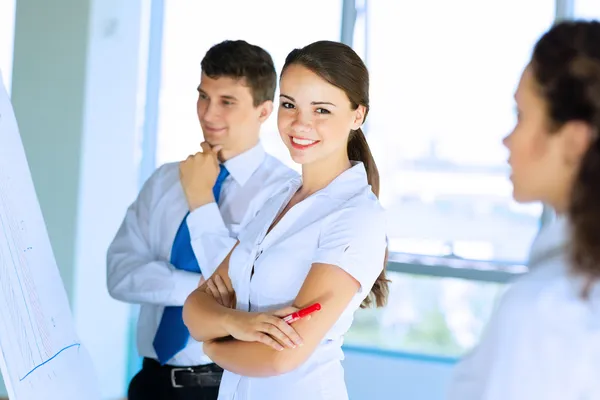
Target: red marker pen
293,317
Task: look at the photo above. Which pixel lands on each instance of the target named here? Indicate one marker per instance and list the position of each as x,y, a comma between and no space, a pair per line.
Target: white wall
7,25
75,93
108,181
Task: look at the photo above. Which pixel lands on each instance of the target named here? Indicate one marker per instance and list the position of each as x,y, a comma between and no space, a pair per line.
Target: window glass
442,87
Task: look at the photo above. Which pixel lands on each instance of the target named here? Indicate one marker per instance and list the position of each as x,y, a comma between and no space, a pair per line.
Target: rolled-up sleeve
355,240
134,273
211,240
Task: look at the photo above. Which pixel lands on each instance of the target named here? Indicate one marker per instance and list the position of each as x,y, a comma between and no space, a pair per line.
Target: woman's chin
298,157
522,197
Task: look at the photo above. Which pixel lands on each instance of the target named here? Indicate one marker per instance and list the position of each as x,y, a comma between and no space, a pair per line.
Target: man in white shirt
166,244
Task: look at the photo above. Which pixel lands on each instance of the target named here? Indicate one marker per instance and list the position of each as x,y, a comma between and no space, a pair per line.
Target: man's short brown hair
239,59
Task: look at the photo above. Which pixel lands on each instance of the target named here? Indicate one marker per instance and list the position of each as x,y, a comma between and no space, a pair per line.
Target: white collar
241,167
347,184
550,241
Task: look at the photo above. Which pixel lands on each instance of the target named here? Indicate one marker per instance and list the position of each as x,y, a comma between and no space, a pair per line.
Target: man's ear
265,109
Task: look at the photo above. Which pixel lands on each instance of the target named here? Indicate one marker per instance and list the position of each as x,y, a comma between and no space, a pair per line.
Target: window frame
564,10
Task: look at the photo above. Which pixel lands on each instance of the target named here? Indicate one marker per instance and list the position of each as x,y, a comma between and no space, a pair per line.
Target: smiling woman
327,105
311,123
327,228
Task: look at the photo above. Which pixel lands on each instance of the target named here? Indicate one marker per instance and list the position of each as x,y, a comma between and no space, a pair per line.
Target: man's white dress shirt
139,271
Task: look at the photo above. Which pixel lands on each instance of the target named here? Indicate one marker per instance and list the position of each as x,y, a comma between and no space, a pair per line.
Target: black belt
208,375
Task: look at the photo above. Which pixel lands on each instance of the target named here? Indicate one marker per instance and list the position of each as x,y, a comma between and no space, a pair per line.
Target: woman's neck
319,174
560,201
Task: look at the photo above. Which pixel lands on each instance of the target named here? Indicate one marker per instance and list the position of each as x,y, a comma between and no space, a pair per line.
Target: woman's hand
268,328
223,294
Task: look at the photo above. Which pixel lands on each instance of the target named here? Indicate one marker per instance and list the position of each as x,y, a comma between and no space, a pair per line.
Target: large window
427,315
7,25
192,27
443,76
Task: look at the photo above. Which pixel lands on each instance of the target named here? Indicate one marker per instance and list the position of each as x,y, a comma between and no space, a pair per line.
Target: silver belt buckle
173,380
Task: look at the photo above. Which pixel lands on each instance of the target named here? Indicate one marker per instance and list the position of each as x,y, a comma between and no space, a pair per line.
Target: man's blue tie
172,334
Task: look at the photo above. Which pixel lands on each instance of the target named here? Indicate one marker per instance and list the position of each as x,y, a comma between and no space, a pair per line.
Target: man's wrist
201,200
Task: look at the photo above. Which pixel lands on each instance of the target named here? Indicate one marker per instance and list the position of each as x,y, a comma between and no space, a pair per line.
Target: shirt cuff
185,283
210,237
206,219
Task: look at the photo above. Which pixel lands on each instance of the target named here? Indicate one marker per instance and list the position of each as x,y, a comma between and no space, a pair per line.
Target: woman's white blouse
543,341
342,225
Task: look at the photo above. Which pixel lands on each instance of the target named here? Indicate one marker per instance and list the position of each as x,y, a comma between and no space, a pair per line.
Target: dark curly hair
239,59
566,67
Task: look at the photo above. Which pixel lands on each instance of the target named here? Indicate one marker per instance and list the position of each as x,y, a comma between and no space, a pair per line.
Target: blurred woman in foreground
543,342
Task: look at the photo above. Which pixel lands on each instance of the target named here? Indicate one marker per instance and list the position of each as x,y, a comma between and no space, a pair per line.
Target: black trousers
154,382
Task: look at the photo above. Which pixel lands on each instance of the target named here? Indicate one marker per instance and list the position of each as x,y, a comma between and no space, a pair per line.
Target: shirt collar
241,167
552,239
346,185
